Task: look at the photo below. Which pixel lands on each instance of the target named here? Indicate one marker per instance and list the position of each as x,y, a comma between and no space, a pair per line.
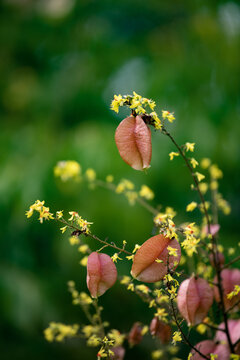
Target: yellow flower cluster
90,174
167,115
126,187
191,206
44,213
84,225
172,154
135,102
116,336
146,192
176,337
223,205
59,331
81,298
235,292
67,170
190,244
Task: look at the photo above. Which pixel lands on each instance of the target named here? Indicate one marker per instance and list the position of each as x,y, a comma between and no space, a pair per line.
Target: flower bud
135,334
150,261
195,297
208,347
101,273
230,278
133,140
160,330
234,332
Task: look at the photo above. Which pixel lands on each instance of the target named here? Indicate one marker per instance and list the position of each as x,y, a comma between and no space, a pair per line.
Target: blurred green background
61,63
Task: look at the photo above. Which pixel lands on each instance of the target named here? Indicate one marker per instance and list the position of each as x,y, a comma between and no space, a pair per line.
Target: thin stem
231,262
93,237
214,242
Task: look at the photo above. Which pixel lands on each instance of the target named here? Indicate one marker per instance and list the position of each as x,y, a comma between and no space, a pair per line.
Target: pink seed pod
133,140
230,278
220,259
195,297
101,273
145,267
135,334
208,347
119,353
234,332
214,229
160,330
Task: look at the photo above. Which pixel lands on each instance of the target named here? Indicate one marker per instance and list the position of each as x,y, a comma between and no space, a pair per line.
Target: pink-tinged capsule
135,334
146,266
119,353
208,347
230,278
160,330
194,299
220,259
214,229
133,140
234,332
101,273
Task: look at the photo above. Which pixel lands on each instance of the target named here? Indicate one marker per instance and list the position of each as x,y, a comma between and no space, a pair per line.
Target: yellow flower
63,229
235,292
203,187
90,174
157,354
172,154
67,170
161,314
193,162
115,257
157,121
84,261
176,337
215,172
143,288
109,178
199,176
83,249
146,192
167,115
172,251
74,240
59,214
205,163
189,146
191,206
125,280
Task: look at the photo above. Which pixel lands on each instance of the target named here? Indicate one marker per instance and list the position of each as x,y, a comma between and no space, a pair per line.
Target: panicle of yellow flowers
59,331
44,213
176,337
190,244
84,225
67,170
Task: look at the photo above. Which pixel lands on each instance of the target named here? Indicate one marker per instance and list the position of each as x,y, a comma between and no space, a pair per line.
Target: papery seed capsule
194,299
234,332
119,353
133,140
152,261
214,229
230,278
208,347
220,259
135,334
160,330
101,273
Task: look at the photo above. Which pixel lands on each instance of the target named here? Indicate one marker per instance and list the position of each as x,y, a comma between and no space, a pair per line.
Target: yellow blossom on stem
235,292
63,229
199,176
191,206
176,337
143,288
161,314
172,251
74,240
90,174
67,170
189,146
84,261
205,163
193,162
115,257
172,154
146,192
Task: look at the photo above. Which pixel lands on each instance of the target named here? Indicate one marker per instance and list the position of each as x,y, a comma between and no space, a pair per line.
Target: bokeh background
61,63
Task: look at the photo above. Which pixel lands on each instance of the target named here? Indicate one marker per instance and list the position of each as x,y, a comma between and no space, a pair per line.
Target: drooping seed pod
119,353
214,229
101,273
194,299
220,259
133,140
234,332
230,278
152,261
135,334
208,347
160,330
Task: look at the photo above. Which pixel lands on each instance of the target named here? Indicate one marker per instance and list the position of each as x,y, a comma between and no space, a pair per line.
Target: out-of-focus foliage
61,62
